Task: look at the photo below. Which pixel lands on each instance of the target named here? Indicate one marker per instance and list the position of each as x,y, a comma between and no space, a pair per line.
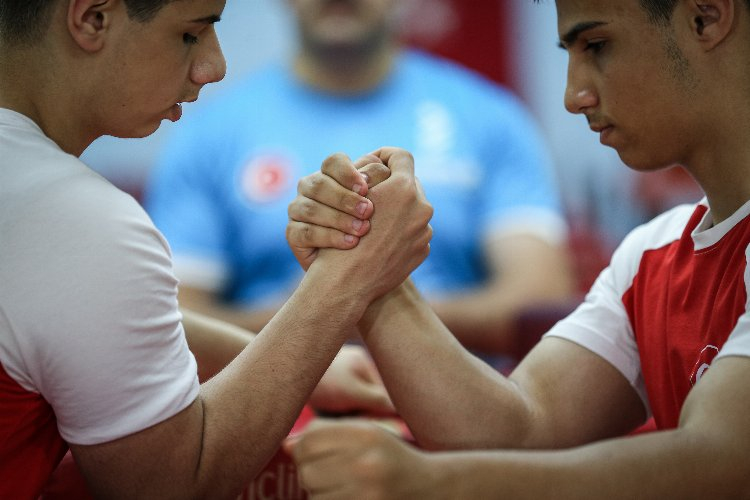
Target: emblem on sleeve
705,358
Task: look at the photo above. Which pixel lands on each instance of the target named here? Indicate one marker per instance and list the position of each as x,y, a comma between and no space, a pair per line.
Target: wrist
402,298
336,290
444,475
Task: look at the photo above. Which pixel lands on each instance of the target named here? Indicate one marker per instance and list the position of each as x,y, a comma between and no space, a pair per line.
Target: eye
189,39
595,46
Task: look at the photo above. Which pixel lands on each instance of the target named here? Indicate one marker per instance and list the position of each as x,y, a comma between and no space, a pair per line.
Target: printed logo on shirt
435,150
436,128
705,358
266,178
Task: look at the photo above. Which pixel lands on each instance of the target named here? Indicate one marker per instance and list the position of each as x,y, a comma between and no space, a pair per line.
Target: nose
580,94
209,65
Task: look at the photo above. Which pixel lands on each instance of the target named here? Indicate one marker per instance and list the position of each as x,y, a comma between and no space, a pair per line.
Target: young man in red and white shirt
665,331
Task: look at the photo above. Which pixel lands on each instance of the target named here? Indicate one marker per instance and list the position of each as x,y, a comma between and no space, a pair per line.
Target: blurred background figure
223,181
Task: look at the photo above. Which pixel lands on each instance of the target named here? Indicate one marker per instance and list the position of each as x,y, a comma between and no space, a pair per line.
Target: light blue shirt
222,185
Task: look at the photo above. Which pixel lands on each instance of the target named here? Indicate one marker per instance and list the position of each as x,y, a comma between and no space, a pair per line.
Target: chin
644,163
136,132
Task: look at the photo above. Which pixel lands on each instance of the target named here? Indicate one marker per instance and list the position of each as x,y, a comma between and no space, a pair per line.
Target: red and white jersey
673,299
91,344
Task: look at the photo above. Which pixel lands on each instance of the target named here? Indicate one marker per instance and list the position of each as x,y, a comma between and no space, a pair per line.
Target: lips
175,112
604,132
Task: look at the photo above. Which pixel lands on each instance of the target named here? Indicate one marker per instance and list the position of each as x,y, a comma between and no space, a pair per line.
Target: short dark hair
26,21
660,11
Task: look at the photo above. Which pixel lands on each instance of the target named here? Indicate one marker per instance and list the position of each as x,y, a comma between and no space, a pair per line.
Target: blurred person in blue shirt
222,184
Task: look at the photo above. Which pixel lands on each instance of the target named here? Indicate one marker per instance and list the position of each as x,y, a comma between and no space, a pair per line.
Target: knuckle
331,162
293,233
303,183
429,211
347,201
301,210
306,210
408,155
294,208
379,172
427,234
402,183
315,184
307,233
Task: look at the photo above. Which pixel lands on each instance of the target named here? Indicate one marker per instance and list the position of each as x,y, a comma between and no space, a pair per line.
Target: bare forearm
207,303
675,464
445,408
262,392
219,443
214,343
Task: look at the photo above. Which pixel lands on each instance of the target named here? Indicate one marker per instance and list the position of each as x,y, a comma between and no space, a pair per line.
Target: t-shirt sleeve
601,323
738,343
107,349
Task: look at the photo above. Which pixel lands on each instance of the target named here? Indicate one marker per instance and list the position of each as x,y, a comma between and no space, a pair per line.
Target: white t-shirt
88,300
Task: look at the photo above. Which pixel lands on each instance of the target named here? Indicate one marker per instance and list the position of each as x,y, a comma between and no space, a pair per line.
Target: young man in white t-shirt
665,330
92,348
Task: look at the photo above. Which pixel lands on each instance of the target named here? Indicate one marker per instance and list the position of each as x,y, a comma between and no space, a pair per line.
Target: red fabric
687,304
66,483
30,445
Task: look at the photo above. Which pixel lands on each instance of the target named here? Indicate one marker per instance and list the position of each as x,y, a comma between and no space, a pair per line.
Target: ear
89,22
711,21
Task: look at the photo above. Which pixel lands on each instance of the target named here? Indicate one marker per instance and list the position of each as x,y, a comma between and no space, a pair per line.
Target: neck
724,175
31,84
719,155
344,72
720,159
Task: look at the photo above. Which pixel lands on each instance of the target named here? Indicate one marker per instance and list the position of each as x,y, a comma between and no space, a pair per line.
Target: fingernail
349,238
365,177
357,224
357,188
361,207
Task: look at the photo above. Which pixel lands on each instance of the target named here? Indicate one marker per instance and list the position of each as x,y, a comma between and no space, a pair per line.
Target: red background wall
473,33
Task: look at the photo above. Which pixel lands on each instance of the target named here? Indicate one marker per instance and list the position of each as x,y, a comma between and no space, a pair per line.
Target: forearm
219,443
674,464
207,303
412,349
214,343
262,392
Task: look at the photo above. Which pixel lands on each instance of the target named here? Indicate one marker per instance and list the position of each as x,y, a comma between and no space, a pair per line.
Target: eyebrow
213,18
572,35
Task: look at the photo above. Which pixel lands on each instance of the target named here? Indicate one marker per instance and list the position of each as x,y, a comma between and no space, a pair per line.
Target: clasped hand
378,196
